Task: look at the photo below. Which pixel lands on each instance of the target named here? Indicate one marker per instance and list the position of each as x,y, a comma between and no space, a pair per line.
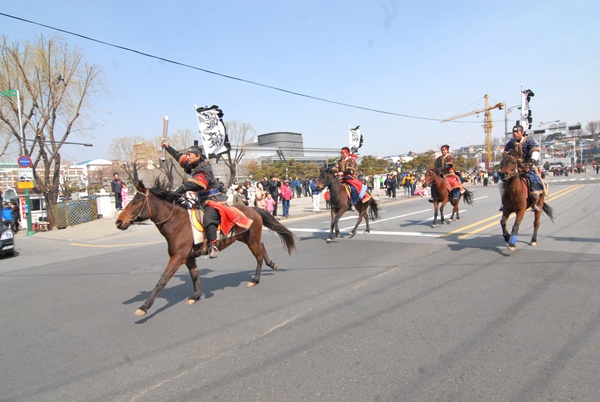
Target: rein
507,175
147,204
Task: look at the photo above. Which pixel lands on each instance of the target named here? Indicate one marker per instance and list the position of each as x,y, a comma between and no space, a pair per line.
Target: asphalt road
408,312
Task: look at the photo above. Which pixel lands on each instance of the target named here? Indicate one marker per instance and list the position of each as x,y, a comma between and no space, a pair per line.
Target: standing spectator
286,196
16,216
298,187
8,217
238,196
407,185
315,195
327,197
486,178
245,188
274,185
125,195
259,196
116,186
370,183
306,187
269,203
390,186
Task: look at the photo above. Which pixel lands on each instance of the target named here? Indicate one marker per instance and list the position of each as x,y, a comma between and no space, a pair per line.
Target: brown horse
172,220
340,203
515,199
442,196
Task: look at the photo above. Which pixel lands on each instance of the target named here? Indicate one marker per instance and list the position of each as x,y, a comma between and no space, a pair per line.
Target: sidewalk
105,227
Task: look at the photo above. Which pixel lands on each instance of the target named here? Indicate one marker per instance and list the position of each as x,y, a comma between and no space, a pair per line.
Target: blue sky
429,59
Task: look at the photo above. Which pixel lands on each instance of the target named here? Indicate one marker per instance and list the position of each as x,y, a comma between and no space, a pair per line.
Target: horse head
133,211
324,179
508,167
430,176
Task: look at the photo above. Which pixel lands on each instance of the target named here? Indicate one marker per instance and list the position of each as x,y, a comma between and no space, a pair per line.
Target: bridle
146,194
509,174
426,181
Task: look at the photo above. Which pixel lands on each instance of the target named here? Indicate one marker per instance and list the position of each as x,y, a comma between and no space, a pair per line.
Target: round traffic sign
24,161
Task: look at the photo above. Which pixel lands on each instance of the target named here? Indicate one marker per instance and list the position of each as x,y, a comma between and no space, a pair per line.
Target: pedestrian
327,197
8,217
238,196
286,196
125,195
315,195
407,185
306,187
16,217
259,196
298,187
246,191
269,203
116,186
274,185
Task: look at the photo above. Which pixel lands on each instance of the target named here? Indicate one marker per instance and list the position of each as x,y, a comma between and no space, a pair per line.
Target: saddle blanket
233,222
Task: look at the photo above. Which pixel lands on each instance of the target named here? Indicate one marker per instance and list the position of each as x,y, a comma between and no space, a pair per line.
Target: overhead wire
231,77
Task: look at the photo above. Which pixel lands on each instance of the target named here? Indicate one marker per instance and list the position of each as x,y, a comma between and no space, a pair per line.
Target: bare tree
57,87
593,129
239,135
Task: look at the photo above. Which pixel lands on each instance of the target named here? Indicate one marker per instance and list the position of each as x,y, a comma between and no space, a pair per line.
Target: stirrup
214,252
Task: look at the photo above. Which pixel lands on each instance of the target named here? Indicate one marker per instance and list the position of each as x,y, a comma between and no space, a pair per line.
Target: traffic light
526,118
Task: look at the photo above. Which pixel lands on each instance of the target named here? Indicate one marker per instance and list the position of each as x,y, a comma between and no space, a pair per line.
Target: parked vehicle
7,241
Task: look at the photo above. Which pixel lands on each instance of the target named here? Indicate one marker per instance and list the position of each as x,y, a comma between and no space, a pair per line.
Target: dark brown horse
515,199
442,196
172,220
340,203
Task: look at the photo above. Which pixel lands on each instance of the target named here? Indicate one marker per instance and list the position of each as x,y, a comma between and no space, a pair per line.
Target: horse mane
162,191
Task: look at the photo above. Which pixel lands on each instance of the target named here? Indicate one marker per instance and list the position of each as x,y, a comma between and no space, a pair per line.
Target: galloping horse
173,221
340,203
515,199
442,196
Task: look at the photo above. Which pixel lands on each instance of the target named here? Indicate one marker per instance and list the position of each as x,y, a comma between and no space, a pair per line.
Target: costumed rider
345,168
526,150
444,166
204,184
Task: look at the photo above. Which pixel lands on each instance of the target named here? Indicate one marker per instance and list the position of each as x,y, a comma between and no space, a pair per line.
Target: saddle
353,194
233,222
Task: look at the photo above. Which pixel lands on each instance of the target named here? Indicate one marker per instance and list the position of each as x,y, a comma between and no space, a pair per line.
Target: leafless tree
593,129
240,134
57,88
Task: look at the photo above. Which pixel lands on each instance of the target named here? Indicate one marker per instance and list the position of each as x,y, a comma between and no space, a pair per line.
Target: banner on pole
212,131
356,139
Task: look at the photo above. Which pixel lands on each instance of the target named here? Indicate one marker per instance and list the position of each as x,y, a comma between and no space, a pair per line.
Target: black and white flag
212,131
356,139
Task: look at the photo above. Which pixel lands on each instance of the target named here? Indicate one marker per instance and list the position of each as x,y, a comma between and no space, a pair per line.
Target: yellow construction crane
487,125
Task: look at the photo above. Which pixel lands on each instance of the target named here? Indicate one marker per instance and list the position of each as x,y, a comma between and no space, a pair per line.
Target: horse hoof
328,240
337,236
250,284
139,312
534,243
274,267
351,235
432,226
367,232
191,300
512,247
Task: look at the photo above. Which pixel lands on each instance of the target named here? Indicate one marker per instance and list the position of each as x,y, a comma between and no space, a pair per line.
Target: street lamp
15,92
506,112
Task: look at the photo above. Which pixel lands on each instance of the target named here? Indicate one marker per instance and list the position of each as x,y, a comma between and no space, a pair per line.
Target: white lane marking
376,232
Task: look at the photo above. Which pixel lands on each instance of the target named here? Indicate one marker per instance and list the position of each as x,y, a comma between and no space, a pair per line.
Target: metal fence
70,213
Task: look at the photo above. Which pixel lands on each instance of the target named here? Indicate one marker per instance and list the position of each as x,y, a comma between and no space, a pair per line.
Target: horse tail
373,209
288,239
468,197
549,211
